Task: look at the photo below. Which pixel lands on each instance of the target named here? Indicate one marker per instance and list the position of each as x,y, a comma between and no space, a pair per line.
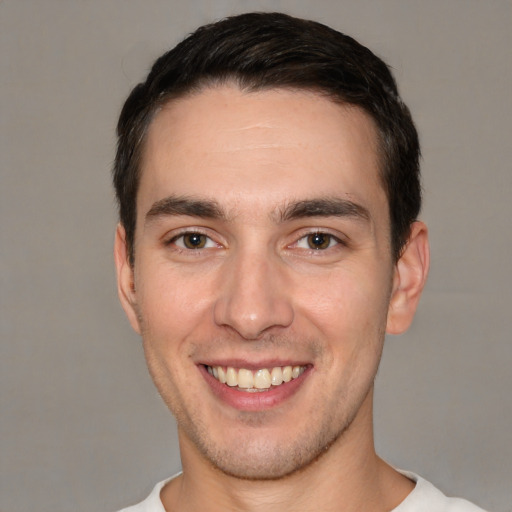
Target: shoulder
152,503
427,498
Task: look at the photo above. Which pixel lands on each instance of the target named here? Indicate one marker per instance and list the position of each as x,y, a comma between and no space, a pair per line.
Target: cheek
344,301
171,304
349,316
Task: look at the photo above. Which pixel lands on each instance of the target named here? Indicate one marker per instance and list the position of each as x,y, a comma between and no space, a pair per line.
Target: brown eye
194,240
319,241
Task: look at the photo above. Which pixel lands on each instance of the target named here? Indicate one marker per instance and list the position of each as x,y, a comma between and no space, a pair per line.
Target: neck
349,476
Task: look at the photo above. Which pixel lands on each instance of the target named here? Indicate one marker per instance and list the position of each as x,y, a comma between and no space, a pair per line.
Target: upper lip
254,365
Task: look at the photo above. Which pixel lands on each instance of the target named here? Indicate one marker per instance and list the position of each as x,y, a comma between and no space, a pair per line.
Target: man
268,181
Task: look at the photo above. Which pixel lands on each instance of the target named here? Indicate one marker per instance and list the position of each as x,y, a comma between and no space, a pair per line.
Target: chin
267,457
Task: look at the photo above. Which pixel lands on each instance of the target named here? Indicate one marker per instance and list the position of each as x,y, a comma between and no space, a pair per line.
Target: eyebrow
210,209
176,205
323,207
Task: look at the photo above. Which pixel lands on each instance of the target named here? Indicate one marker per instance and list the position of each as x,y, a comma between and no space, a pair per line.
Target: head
259,51
267,175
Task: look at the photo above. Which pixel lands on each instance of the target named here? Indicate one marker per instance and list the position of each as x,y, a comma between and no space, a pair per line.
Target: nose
254,296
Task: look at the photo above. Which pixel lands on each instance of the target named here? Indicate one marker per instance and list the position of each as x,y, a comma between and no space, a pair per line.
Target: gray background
81,426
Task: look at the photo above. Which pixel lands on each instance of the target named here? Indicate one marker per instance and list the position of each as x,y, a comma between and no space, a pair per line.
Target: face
263,274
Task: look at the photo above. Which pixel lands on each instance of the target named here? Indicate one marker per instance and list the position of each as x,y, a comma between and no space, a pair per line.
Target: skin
258,293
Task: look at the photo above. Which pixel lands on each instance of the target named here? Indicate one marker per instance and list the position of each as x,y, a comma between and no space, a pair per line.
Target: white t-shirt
423,498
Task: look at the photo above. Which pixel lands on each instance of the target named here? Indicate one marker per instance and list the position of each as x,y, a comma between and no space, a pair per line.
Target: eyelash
172,241
316,251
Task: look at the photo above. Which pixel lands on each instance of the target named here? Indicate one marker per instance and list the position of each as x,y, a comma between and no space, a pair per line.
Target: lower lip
254,401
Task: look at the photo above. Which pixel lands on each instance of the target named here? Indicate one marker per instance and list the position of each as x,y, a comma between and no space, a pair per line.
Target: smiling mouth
255,381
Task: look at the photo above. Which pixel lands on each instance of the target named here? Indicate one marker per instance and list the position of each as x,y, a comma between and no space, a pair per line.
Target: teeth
276,376
231,377
295,372
245,379
262,379
259,380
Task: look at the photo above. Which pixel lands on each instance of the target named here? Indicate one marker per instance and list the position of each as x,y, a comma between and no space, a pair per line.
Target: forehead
259,148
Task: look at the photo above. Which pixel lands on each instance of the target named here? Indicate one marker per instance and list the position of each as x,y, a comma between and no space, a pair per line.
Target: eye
317,241
193,240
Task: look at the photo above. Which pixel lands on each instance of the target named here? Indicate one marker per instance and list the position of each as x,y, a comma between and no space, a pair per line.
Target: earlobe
125,279
410,276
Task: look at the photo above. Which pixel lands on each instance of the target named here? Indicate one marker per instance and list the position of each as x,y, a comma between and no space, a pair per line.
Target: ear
409,278
125,279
